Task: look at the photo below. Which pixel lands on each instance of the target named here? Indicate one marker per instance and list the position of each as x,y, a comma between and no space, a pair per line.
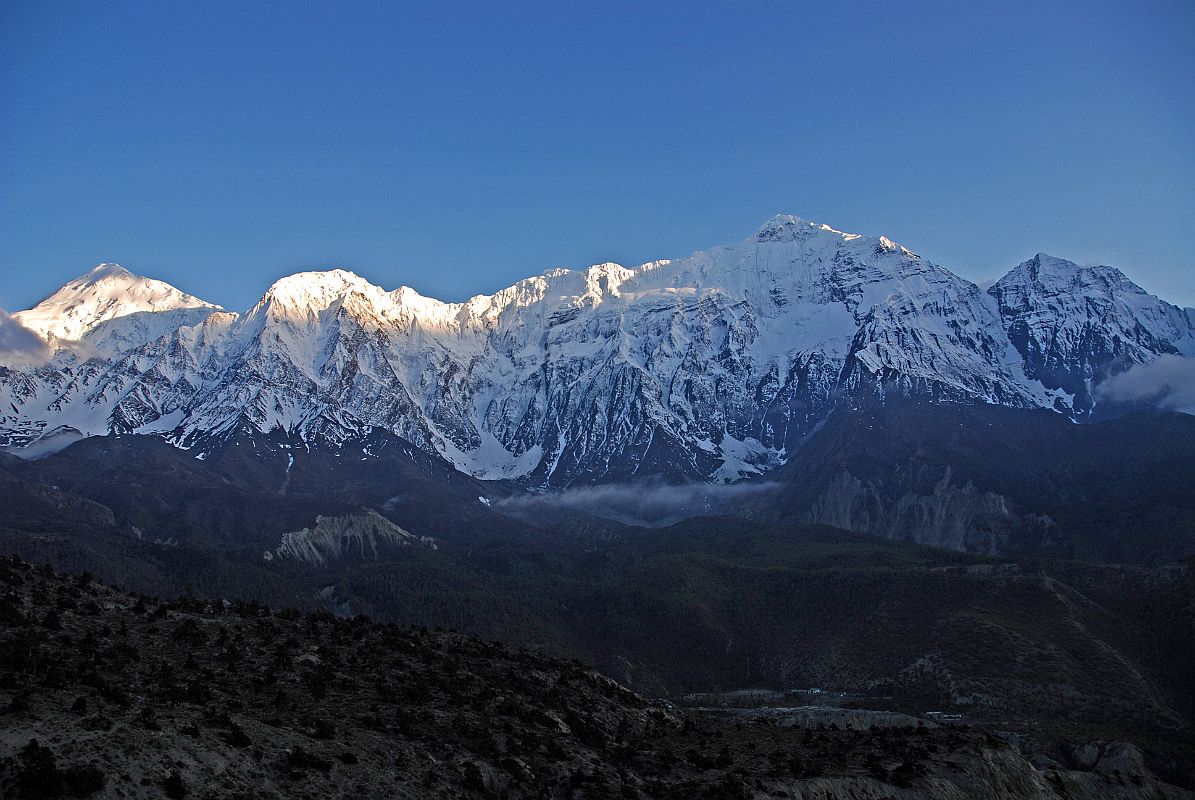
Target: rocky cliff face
946,513
711,367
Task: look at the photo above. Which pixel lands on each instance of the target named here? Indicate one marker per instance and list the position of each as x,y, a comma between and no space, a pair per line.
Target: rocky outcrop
367,536
954,515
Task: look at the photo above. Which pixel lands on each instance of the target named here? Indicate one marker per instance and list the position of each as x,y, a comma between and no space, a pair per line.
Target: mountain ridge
711,367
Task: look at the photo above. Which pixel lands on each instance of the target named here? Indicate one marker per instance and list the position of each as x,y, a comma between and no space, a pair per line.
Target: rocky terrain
110,694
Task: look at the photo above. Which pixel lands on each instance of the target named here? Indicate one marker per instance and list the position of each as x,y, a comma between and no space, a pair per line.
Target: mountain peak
787,227
318,289
334,279
302,287
103,271
104,292
1047,271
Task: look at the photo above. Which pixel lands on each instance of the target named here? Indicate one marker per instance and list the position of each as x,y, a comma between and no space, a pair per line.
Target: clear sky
456,148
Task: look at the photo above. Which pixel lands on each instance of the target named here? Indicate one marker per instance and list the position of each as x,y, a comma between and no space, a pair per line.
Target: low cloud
640,504
19,346
1167,382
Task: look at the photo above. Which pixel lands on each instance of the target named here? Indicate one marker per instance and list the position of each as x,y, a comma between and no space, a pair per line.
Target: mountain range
710,368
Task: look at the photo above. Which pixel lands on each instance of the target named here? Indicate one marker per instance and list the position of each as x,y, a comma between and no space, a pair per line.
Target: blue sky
458,147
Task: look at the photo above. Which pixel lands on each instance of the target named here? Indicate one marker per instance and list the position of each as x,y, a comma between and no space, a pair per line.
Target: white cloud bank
650,504
1168,382
19,346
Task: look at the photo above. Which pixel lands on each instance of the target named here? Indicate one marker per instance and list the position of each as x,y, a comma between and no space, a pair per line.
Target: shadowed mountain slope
996,480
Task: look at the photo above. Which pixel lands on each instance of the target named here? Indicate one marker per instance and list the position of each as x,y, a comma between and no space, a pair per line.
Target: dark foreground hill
109,694
1064,650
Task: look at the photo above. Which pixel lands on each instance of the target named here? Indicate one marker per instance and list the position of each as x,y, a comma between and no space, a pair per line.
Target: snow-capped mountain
1075,325
710,367
112,309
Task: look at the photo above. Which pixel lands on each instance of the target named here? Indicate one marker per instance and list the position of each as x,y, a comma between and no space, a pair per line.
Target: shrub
39,776
174,786
301,759
236,736
474,780
83,781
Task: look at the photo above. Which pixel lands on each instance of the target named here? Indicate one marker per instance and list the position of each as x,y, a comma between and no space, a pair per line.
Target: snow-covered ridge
710,367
